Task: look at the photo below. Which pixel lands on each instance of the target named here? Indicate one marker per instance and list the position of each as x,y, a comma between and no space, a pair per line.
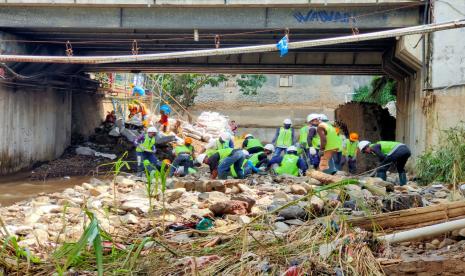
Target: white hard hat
248,135
152,129
287,122
269,147
324,118
245,152
200,158
291,148
363,144
312,117
225,136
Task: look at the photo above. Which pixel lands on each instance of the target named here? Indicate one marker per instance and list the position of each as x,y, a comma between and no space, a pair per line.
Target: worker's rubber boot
402,179
381,175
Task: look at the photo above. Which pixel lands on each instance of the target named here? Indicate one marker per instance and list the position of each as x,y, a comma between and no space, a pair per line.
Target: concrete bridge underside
45,30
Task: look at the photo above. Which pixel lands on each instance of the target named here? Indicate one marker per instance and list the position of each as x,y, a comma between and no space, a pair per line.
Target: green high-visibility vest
339,142
388,147
147,144
303,136
183,149
333,142
224,153
233,171
284,138
351,148
316,139
254,158
219,145
288,165
253,143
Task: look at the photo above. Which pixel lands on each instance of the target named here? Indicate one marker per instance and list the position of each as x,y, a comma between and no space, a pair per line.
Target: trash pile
318,224
209,125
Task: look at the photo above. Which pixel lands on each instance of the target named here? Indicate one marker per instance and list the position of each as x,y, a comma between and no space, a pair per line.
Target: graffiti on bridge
322,16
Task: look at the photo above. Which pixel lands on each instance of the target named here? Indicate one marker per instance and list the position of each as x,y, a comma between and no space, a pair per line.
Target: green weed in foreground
446,161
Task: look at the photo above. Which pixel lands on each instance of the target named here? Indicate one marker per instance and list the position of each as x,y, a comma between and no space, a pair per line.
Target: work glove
313,151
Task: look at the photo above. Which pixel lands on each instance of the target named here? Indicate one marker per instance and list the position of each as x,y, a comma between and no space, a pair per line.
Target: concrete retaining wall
35,125
88,112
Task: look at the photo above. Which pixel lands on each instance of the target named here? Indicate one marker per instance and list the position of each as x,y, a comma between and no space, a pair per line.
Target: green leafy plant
381,90
446,161
249,84
72,253
153,179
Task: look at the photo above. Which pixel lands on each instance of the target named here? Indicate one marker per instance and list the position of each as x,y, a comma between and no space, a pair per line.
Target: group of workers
321,145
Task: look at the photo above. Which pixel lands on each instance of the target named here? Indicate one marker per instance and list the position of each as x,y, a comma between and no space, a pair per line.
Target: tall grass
446,161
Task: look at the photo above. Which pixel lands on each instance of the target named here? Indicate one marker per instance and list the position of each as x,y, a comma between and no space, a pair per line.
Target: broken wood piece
324,177
410,218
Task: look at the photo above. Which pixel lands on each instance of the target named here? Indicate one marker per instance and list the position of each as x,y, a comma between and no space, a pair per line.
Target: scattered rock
250,201
293,212
298,190
294,222
213,196
430,246
440,194
174,194
129,219
281,195
281,227
435,242
446,242
230,207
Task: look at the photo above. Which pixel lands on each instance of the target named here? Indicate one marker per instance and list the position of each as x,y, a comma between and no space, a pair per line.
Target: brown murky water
18,187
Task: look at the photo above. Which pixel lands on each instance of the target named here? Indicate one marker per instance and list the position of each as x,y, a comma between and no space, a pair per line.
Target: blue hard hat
165,108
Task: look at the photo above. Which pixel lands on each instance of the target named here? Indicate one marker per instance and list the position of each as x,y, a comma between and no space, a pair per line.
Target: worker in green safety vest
252,144
255,163
350,153
284,137
220,162
313,139
388,152
183,162
329,145
224,141
145,149
289,164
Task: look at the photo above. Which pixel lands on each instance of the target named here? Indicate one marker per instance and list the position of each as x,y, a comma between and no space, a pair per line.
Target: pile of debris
209,125
264,224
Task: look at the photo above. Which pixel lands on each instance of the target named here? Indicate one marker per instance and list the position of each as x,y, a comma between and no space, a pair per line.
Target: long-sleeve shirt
277,134
311,133
376,150
278,159
140,139
214,161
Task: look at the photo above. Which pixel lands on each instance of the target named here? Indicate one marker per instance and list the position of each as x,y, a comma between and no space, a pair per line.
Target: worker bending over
184,158
350,153
289,164
258,161
284,137
329,145
145,149
388,152
252,144
223,142
221,161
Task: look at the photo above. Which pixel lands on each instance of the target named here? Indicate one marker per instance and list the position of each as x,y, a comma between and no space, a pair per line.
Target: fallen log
324,177
411,218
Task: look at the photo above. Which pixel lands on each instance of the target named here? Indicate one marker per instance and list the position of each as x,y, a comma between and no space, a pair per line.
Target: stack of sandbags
209,125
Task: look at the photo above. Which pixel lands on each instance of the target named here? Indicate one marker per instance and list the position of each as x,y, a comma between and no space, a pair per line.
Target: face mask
287,126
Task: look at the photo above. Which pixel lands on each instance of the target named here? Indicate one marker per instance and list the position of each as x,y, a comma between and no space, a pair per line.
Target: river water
18,187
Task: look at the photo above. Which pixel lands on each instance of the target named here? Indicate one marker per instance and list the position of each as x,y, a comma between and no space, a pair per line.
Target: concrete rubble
228,204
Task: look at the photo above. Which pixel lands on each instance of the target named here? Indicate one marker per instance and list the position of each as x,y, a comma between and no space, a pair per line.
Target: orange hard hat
188,140
167,161
353,136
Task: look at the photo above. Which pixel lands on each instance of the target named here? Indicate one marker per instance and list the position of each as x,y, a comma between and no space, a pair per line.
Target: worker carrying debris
388,152
252,144
223,142
283,138
221,161
184,161
350,153
165,110
289,164
145,149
